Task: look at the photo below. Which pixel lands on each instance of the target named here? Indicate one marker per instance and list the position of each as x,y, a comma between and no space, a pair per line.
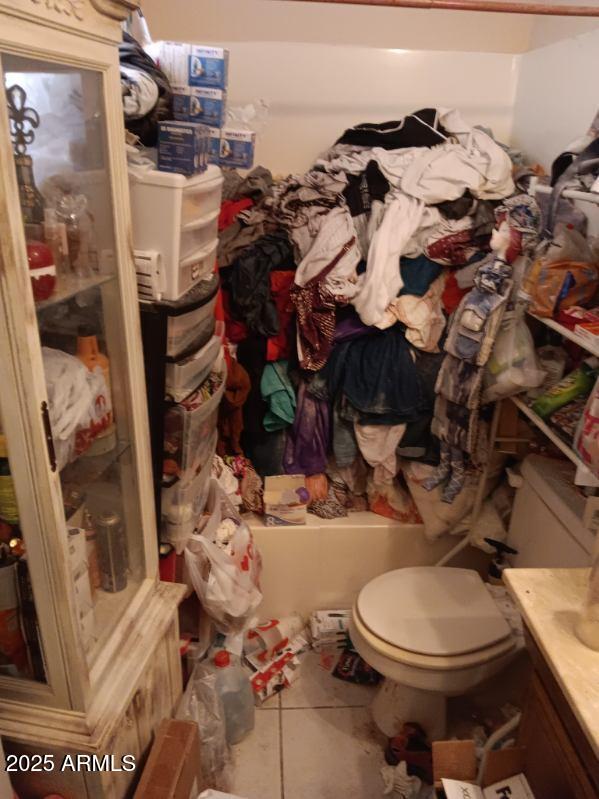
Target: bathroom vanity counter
560,725
550,601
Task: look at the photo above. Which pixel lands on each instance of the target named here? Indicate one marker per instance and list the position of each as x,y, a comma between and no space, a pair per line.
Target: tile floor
314,739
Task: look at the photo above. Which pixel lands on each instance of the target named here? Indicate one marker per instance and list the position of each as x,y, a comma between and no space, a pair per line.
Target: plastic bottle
89,354
235,691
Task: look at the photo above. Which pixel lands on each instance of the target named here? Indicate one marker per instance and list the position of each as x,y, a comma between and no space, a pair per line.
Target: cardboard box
455,771
285,500
208,67
182,147
214,146
205,106
173,60
172,770
237,148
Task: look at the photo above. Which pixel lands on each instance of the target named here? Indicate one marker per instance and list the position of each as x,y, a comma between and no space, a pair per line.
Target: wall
556,99
284,21
547,30
316,90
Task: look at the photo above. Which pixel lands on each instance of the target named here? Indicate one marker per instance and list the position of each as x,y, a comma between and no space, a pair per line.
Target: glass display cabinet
88,635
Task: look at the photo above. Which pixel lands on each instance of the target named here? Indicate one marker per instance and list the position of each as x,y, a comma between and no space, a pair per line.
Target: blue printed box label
208,67
237,148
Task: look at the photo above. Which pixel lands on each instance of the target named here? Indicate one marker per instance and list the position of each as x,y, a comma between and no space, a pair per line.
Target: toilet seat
430,662
432,617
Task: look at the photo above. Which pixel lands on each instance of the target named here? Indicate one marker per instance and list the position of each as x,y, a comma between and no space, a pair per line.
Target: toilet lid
432,610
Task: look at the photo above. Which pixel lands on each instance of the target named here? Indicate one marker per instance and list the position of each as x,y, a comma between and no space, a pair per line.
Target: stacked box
208,67
205,106
182,147
199,76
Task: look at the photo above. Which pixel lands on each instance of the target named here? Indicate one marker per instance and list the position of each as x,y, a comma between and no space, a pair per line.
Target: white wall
315,91
547,30
363,26
557,96
324,67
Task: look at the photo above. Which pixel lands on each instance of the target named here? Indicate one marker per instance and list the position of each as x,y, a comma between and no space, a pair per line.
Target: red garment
229,211
279,346
236,331
452,294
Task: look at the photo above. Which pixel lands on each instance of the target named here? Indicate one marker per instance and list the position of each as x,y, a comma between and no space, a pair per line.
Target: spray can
112,551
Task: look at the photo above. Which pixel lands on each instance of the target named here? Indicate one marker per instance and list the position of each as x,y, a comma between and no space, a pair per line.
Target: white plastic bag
513,366
225,573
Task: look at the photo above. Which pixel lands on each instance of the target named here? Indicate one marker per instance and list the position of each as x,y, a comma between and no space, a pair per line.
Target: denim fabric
377,376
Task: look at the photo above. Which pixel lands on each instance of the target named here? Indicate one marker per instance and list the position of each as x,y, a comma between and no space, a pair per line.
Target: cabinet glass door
20,645
58,130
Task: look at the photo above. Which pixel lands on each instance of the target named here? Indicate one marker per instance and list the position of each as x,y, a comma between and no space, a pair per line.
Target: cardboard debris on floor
504,773
273,650
329,629
514,787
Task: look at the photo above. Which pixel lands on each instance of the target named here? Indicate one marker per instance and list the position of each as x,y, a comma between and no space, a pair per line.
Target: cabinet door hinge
48,434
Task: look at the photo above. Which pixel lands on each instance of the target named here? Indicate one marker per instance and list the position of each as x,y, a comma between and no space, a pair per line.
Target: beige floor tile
332,753
257,759
272,703
317,688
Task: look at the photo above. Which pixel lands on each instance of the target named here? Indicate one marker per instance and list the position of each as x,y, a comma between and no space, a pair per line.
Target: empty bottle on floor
233,685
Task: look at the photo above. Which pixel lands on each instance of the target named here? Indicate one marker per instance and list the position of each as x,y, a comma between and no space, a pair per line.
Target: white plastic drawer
187,432
198,234
191,270
184,503
184,376
185,330
199,201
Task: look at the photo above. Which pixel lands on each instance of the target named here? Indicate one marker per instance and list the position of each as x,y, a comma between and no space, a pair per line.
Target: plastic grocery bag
224,566
513,366
201,703
586,439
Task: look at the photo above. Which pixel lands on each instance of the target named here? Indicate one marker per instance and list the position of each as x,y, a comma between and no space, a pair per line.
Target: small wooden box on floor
173,767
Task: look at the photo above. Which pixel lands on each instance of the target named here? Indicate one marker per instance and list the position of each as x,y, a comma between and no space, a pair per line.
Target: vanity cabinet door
553,766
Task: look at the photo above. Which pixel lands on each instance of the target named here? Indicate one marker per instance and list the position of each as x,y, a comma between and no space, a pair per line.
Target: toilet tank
546,525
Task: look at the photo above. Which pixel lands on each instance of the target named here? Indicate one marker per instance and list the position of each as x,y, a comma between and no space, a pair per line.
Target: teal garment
278,393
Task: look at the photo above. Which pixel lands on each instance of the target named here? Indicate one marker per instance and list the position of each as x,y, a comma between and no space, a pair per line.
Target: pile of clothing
339,285
146,92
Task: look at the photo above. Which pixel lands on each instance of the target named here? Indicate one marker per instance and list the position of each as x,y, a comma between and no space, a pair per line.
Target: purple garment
309,438
351,327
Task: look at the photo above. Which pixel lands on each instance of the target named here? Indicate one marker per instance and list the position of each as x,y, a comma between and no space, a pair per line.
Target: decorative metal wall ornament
24,120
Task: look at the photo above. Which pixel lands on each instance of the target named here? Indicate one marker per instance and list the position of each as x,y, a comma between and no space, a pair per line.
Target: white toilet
435,632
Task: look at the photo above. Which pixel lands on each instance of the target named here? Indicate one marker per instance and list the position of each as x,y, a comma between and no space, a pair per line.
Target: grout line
281,760
327,707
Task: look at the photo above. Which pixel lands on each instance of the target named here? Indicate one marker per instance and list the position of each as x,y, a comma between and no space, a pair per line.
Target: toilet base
396,704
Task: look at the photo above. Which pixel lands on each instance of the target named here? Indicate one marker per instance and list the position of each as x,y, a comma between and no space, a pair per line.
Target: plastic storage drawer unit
184,503
198,234
187,430
175,218
185,375
190,327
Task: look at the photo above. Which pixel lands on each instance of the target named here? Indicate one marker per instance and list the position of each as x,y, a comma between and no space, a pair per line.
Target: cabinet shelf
88,469
544,428
71,285
569,334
